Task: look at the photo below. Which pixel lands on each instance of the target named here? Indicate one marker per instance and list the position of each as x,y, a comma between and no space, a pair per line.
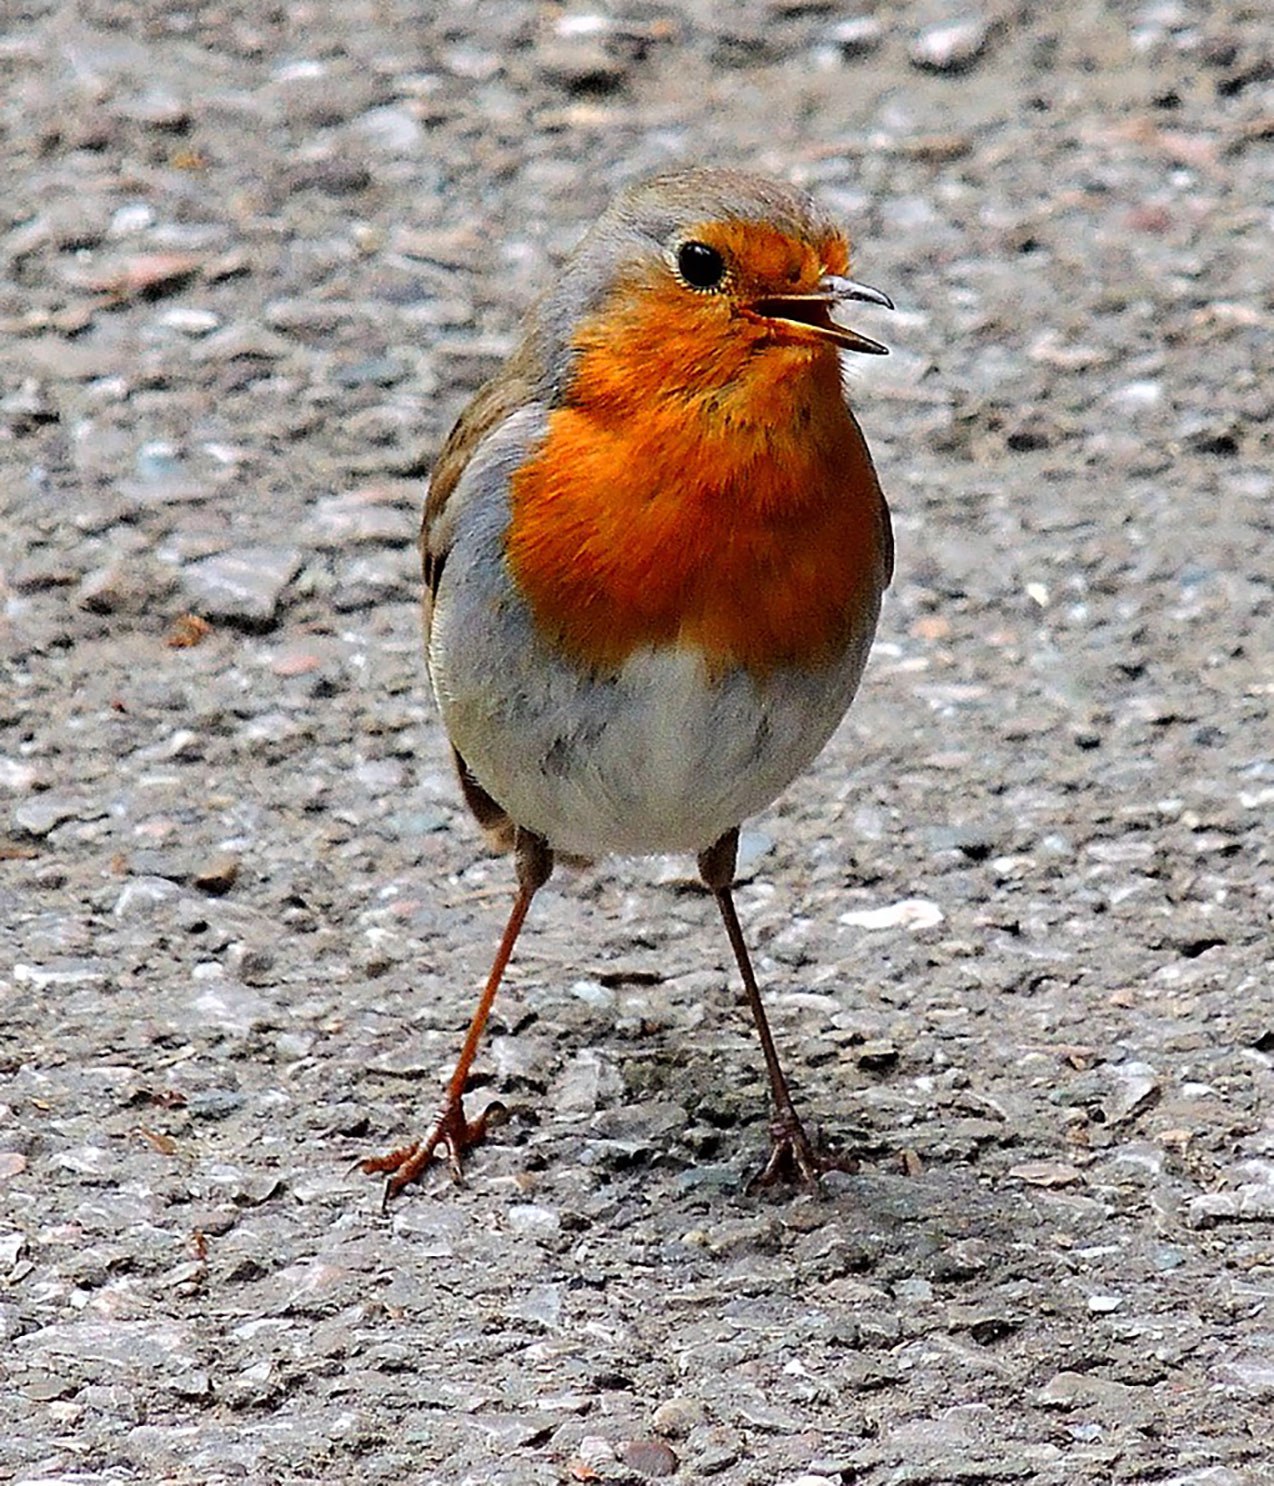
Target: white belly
661,758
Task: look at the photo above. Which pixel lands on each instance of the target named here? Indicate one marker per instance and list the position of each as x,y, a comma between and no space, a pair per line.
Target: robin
654,552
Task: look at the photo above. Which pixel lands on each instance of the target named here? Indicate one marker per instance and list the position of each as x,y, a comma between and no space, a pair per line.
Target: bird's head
689,277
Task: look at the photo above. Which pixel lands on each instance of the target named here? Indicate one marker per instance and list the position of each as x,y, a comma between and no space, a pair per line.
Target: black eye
700,266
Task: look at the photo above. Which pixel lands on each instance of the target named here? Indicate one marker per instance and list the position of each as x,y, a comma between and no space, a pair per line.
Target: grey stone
953,46
243,585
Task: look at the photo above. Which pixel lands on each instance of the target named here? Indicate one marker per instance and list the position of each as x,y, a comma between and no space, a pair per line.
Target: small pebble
877,1054
676,1417
581,66
541,1305
214,1104
858,36
17,777
159,110
189,321
391,129
595,1453
244,585
45,1387
533,1220
376,371
330,176
1138,1089
108,590
369,514
1102,1305
12,1163
649,1457
952,47
217,874
1045,1173
133,217
44,813
910,913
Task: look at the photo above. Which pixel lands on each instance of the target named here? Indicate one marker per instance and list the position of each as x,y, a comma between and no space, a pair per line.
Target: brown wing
492,404
498,826
501,397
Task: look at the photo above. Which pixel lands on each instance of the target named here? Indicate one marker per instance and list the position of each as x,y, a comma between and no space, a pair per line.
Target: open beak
814,312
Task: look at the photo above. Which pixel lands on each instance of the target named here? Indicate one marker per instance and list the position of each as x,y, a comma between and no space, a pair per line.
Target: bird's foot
451,1131
796,1160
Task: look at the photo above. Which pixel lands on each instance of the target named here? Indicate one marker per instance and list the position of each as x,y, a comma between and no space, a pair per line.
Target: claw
450,1130
796,1160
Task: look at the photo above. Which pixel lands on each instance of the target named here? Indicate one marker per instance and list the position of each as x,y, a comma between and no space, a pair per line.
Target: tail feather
497,825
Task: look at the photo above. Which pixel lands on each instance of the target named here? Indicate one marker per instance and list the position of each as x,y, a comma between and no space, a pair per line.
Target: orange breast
723,501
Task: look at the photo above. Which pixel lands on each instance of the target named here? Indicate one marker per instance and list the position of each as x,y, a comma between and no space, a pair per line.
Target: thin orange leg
450,1128
793,1156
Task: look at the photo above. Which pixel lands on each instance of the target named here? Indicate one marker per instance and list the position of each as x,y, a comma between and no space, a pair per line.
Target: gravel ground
1015,927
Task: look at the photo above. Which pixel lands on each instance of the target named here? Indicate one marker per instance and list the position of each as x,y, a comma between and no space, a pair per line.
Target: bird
654,554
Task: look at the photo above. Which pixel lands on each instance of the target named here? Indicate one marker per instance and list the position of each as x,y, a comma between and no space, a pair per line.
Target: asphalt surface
1014,927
